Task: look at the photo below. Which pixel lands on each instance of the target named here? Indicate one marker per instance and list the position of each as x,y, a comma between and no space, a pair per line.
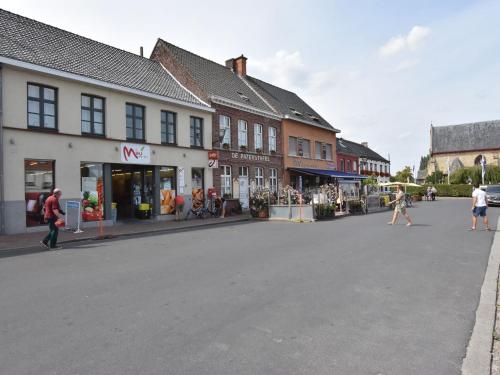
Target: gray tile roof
288,104
358,149
466,137
216,79
34,42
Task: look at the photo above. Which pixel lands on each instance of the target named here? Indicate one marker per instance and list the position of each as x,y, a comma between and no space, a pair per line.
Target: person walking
52,213
400,207
433,193
479,207
179,206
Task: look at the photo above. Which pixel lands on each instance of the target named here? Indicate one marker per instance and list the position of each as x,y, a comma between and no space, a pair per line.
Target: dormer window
243,96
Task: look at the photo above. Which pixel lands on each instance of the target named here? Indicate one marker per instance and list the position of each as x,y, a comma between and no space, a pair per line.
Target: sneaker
56,247
44,245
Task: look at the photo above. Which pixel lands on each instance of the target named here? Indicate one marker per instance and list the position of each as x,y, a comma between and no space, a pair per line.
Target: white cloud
402,43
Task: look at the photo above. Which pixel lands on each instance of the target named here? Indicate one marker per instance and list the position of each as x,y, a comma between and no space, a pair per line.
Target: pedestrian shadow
421,225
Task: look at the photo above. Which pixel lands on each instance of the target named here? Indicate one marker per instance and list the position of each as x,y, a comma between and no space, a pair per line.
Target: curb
37,249
477,360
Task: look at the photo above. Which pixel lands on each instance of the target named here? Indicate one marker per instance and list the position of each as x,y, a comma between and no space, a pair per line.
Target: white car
493,195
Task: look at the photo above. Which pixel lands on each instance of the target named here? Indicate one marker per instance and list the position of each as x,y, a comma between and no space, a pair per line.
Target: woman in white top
400,207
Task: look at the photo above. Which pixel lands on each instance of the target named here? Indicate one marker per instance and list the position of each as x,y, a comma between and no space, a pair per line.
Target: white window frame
225,130
318,150
242,133
354,166
243,168
328,148
257,136
259,177
273,180
272,138
308,143
226,186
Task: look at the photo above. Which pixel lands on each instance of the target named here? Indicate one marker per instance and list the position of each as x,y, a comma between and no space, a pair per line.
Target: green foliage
473,174
462,190
404,175
424,160
371,180
436,177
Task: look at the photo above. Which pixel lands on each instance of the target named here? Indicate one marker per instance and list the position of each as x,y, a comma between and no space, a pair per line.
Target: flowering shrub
259,201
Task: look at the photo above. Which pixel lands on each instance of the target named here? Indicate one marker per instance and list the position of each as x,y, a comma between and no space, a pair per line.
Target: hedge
444,190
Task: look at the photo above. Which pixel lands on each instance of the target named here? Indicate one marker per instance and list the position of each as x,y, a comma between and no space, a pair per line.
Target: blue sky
381,71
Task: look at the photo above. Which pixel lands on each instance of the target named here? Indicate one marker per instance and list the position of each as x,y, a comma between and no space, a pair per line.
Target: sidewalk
25,241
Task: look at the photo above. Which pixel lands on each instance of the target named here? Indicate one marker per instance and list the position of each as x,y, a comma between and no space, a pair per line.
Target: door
244,192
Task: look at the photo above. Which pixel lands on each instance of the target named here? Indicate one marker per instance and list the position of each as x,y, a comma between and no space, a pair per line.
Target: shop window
196,129
168,127
168,178
272,139
197,186
135,122
257,136
42,107
224,130
92,187
242,133
225,180
292,146
259,177
342,166
273,180
349,166
92,115
38,185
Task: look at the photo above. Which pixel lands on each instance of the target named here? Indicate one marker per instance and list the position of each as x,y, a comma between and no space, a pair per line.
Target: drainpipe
2,198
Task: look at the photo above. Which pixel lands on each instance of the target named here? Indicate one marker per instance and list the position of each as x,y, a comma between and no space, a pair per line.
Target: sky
381,71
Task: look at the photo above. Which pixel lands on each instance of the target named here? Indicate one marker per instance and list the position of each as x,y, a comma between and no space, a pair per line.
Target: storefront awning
330,173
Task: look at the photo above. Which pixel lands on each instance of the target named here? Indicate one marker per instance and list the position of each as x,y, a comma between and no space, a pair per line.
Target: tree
436,177
404,175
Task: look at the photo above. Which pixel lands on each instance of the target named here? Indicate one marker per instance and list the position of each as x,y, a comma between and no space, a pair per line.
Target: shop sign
251,157
135,154
213,159
301,163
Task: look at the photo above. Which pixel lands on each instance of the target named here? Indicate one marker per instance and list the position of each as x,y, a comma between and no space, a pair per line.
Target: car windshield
493,189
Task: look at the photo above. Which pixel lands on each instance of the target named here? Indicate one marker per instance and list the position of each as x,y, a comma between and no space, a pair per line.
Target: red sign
213,155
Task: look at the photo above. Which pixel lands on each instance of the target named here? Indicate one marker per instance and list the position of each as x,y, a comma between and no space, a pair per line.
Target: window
292,146
385,169
306,148
354,166
243,171
197,187
348,165
168,127
135,122
224,130
225,180
257,136
328,151
273,180
42,107
272,139
342,166
92,115
318,149
259,177
242,133
196,132
371,166
38,185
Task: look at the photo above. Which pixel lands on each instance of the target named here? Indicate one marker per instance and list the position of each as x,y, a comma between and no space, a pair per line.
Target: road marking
477,360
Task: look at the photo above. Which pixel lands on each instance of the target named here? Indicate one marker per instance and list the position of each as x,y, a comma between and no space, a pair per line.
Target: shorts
479,211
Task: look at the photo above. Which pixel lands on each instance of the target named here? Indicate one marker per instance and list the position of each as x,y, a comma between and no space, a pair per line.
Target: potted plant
259,203
243,148
225,146
258,150
273,152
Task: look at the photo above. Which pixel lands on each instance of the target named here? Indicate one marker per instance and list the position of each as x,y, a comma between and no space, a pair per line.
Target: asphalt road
349,296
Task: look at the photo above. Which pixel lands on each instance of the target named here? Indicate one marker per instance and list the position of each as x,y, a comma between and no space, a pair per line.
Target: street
348,296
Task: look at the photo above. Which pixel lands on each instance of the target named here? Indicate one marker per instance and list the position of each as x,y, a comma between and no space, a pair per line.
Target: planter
262,214
225,146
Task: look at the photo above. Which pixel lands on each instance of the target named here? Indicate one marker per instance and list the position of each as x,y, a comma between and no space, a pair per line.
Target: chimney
142,52
364,144
238,65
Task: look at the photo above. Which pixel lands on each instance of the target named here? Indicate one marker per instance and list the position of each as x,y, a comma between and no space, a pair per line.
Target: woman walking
400,207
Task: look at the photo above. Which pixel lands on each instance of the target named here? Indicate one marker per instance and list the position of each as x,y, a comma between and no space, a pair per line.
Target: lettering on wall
252,157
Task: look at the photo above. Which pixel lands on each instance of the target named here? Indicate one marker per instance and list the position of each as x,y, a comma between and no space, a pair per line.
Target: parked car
493,194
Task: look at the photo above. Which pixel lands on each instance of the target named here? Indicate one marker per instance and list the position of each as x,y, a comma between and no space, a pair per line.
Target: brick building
246,130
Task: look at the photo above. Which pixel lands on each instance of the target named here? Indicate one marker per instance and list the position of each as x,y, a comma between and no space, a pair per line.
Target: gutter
2,197
96,82
243,107
332,129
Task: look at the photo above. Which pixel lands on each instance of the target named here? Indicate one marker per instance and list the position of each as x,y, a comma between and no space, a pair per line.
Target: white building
108,127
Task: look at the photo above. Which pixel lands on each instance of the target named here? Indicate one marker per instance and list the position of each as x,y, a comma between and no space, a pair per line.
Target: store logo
132,153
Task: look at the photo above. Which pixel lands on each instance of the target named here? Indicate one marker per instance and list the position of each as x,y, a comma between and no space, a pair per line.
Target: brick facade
236,158
348,167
